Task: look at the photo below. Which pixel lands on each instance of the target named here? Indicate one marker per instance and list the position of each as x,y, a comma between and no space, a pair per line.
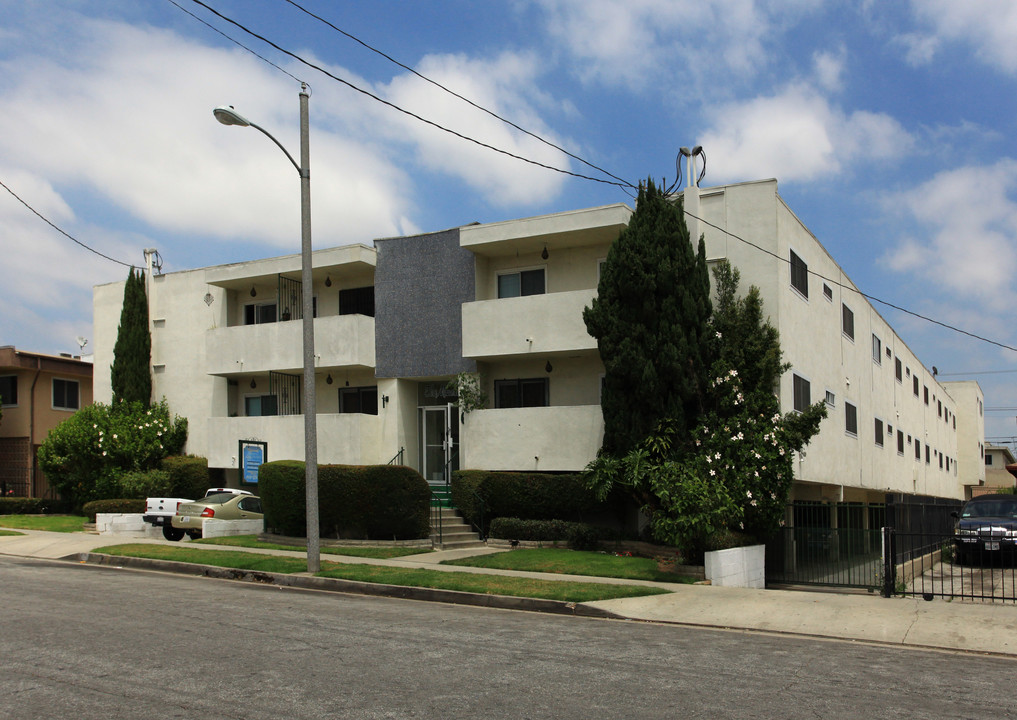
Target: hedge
374,502
32,506
579,536
189,476
127,505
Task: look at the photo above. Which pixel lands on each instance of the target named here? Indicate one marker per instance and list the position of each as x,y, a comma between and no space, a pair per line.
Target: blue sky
889,126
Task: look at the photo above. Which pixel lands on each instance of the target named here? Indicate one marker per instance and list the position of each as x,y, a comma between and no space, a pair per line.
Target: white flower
717,456
709,459
94,425
781,451
104,453
712,472
748,494
719,336
753,503
114,436
733,373
741,436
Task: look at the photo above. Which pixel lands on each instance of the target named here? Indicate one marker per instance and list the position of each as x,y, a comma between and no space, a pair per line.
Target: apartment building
395,323
37,392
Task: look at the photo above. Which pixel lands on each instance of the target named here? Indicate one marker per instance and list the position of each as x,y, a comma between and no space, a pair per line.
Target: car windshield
991,508
218,499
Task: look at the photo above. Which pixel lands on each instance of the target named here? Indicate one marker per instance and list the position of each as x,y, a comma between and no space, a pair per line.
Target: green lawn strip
10,532
375,553
53,523
573,562
408,577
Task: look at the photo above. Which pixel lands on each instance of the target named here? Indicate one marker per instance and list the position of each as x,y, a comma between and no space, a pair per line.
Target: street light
229,116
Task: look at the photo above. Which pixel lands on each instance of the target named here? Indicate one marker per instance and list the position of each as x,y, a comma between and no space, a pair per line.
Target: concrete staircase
455,532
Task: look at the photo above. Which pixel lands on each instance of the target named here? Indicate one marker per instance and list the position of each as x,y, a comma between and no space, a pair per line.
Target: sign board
252,454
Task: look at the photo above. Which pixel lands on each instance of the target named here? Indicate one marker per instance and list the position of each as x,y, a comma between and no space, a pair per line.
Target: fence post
889,562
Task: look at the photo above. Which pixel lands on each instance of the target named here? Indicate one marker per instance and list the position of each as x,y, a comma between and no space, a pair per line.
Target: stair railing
398,456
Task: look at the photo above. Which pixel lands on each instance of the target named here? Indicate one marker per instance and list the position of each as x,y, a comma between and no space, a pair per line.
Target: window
897,369
927,461
831,399
988,459
925,387
877,350
9,390
261,405
357,301
918,449
250,504
847,321
802,392
258,313
914,384
939,408
879,432
65,394
900,442
799,274
827,292
940,461
850,419
522,283
528,392
362,400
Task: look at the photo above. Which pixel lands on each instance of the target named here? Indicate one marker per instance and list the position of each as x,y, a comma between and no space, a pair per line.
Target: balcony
339,341
535,324
562,438
349,438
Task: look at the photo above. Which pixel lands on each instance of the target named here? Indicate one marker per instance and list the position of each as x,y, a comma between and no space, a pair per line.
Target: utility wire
392,105
68,236
235,42
455,94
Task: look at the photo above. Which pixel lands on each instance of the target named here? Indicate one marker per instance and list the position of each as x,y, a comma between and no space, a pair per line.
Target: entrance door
439,442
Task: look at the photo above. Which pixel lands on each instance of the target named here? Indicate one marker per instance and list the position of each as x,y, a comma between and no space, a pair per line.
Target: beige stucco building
394,323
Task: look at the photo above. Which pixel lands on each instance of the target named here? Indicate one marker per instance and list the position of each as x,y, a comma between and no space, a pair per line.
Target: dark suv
986,524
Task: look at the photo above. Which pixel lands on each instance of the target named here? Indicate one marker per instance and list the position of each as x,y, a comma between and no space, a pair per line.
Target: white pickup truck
159,511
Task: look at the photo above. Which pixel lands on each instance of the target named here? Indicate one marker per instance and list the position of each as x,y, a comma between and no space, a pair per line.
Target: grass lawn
574,562
376,553
409,577
53,523
9,532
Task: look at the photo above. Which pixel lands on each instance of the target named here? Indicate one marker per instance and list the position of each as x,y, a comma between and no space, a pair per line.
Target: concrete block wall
125,525
211,527
737,567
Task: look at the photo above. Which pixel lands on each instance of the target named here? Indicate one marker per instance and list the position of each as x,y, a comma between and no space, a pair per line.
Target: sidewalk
907,622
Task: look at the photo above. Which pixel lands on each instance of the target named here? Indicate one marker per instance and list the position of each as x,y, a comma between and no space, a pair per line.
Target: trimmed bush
32,506
579,536
142,484
189,476
377,502
126,505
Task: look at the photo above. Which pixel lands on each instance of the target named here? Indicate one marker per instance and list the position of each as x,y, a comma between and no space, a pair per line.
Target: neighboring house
38,393
997,477
395,323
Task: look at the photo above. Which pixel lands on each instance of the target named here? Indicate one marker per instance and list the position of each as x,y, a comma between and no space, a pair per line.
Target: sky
890,127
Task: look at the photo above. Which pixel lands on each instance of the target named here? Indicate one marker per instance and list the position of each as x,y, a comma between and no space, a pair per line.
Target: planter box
737,567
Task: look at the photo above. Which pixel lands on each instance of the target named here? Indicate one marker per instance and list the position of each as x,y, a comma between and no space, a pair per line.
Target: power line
981,372
466,100
68,236
392,105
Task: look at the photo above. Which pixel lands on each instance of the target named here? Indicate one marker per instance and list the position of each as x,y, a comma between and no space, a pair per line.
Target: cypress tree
650,321
130,373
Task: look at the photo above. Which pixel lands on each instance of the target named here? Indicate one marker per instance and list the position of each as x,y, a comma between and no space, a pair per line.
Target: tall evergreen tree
650,321
130,374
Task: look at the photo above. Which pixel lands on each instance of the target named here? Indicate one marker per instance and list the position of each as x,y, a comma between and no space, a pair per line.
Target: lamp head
228,116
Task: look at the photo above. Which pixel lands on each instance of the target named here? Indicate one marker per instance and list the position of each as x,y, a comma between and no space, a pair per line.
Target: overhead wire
59,230
392,105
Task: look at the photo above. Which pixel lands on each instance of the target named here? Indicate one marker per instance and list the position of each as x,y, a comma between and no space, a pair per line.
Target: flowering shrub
85,456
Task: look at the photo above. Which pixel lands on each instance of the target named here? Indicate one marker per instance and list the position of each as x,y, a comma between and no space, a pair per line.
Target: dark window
850,418
250,504
939,408
918,449
9,389
258,313
65,394
799,274
847,323
988,459
927,461
261,405
926,394
828,291
897,367
802,393
914,384
900,442
359,400
877,353
357,301
528,392
523,283
940,461
879,432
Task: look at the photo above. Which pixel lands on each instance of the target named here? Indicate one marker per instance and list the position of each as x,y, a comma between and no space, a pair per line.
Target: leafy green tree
650,321
132,354
85,457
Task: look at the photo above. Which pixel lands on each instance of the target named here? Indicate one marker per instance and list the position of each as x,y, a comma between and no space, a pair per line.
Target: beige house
396,322
37,392
997,477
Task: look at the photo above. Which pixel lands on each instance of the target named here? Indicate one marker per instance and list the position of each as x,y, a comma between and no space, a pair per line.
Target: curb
350,587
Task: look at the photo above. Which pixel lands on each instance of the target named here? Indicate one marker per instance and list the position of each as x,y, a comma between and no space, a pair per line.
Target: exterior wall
970,433
542,439
996,474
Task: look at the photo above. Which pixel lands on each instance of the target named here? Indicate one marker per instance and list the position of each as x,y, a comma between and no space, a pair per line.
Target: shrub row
579,536
530,496
32,506
124,505
374,502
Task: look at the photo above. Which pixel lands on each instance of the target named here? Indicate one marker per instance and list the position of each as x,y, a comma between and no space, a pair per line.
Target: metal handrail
398,456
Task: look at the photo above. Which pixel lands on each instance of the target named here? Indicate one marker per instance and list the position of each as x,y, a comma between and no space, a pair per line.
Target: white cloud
829,67
970,215
636,42
796,135
918,49
988,26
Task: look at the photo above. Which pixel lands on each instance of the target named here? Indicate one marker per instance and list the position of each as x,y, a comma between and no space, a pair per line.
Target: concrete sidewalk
907,622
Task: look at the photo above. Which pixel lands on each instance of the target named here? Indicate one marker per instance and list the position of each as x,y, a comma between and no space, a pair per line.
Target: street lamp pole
228,116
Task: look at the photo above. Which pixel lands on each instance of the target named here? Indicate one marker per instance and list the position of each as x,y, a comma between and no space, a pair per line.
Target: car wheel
194,534
171,533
